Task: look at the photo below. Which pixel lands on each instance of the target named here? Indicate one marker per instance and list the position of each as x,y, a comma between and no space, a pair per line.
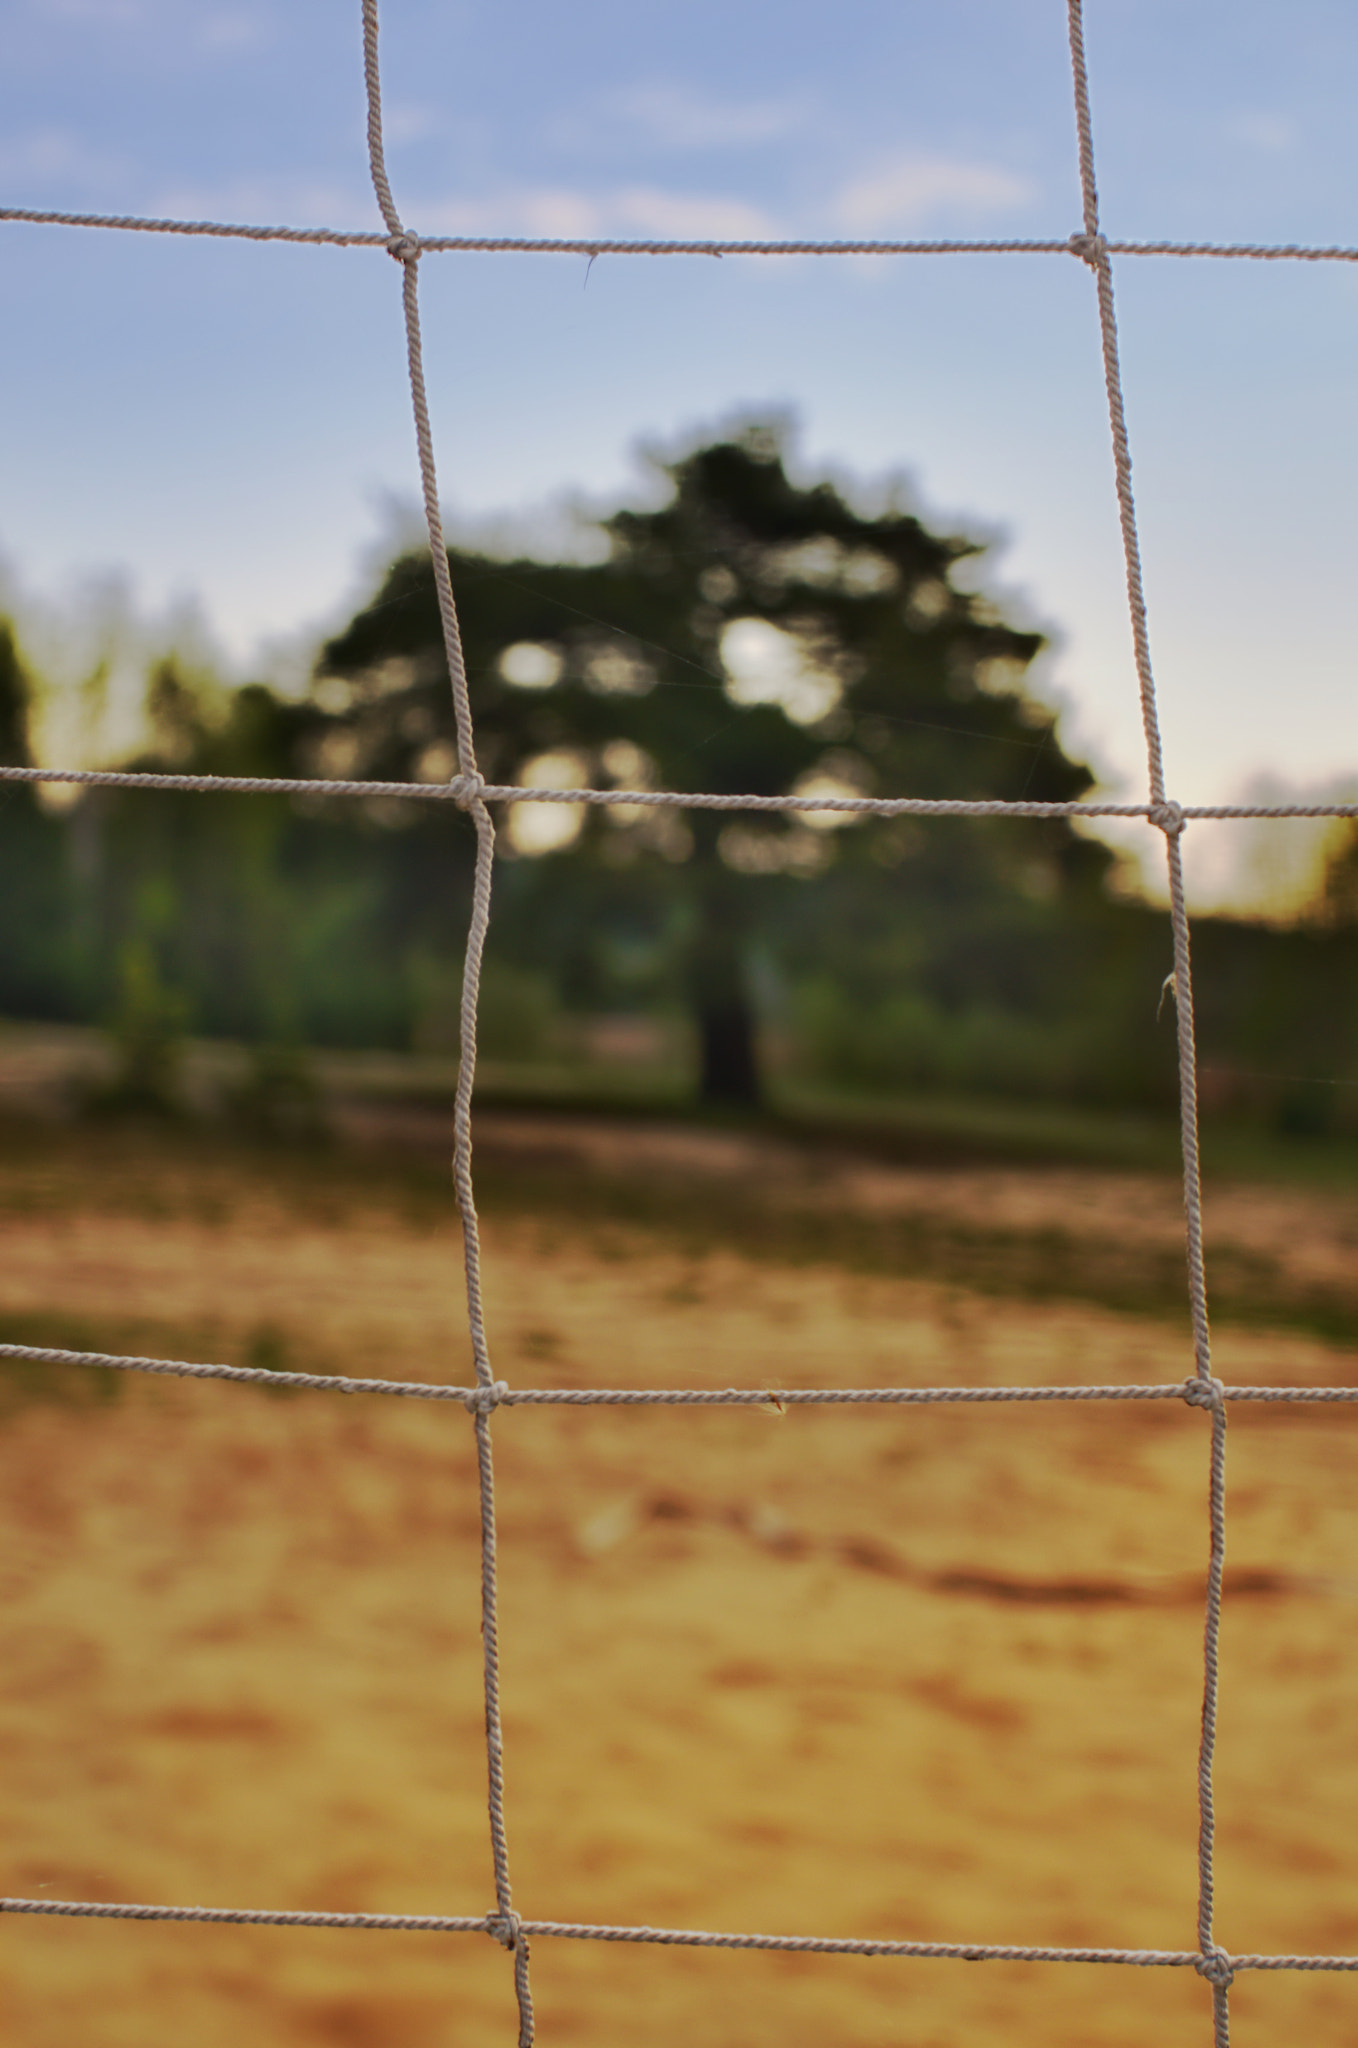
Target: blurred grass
197,1168
264,1346
43,1069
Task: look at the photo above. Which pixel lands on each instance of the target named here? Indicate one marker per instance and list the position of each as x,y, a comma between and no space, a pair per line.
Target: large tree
753,634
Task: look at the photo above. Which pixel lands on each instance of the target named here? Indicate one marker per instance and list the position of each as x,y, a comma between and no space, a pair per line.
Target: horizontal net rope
668,1937
466,790
500,1395
560,245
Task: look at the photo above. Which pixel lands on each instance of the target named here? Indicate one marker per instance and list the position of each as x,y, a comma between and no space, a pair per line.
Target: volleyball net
1200,1391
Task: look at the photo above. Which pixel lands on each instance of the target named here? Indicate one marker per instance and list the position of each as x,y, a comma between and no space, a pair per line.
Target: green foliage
147,1029
280,1099
907,1044
751,635
518,1014
287,923
1336,906
37,971
16,691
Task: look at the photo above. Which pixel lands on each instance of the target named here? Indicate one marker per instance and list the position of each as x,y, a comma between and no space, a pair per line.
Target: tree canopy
751,634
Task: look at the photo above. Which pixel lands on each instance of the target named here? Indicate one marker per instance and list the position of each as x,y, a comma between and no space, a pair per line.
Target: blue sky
227,424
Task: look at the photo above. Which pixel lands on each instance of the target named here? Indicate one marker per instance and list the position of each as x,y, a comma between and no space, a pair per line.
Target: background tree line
752,633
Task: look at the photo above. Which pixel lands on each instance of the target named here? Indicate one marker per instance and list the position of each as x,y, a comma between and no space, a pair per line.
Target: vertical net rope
468,790
1169,817
406,250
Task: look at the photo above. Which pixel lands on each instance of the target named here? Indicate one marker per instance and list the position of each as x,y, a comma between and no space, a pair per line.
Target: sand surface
931,1674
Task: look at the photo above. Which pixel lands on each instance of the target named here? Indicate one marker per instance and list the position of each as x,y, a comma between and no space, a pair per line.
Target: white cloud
553,211
546,210
270,202
690,215
101,13
56,154
676,118
215,31
1269,133
407,123
905,191
231,30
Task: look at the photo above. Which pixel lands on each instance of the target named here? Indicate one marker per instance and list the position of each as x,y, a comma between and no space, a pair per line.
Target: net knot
1215,1965
405,247
1089,249
506,1927
467,789
1202,1391
484,1400
1169,816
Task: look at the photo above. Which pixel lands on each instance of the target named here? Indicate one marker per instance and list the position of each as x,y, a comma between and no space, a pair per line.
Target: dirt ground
924,1674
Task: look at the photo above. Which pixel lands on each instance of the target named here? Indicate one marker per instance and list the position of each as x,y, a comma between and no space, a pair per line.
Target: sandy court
925,1674
376,1290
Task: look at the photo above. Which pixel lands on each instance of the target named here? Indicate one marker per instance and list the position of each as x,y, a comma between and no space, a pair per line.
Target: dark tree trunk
727,1031
730,1067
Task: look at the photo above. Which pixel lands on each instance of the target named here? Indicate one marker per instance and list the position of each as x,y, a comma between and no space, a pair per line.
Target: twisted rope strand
466,1080
560,245
1207,1390
1092,247
499,1844
500,1395
405,247
372,88
669,1937
1182,984
1170,818
1216,1966
467,790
